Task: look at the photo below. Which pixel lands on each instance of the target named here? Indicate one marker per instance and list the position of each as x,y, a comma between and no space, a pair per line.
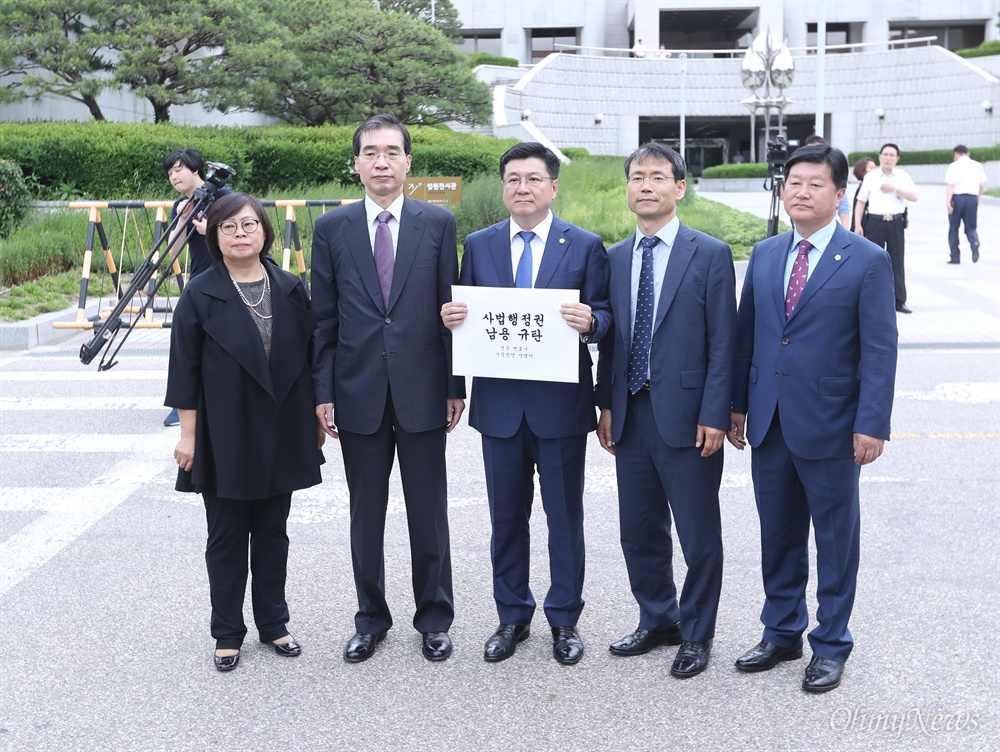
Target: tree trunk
95,109
161,111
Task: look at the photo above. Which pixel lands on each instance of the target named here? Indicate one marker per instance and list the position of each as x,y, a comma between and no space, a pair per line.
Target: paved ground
104,598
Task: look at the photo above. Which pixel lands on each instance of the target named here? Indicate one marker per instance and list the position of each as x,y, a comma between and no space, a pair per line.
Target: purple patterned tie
797,282
384,260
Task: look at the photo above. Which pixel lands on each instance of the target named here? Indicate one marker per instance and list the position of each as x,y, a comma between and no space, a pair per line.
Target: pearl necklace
265,291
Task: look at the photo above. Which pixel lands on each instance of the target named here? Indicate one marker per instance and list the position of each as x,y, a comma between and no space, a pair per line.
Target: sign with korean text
514,333
435,190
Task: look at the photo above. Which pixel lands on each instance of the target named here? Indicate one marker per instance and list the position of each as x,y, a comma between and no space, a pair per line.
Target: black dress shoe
765,656
286,649
641,641
503,643
954,261
901,308
362,647
822,675
227,662
437,646
975,252
692,659
567,647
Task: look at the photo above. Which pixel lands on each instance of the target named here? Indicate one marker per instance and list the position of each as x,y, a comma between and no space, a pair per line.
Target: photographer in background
186,171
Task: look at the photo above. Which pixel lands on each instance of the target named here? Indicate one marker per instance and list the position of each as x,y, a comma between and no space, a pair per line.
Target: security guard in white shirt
886,192
966,181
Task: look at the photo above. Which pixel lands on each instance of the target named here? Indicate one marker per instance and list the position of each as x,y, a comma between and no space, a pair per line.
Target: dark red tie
797,282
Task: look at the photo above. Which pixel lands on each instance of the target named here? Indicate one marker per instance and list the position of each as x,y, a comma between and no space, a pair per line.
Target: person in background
886,192
965,181
240,378
861,168
639,49
185,169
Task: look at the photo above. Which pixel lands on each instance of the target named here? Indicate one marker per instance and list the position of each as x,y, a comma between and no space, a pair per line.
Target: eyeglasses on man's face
392,155
513,182
249,226
658,179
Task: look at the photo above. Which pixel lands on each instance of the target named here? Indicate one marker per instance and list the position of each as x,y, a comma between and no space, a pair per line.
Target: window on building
543,41
836,33
481,40
951,36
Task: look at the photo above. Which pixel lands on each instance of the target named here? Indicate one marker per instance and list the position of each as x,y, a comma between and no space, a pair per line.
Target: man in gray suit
381,270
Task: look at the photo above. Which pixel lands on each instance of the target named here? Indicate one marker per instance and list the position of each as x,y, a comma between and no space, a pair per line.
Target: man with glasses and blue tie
536,424
663,386
381,270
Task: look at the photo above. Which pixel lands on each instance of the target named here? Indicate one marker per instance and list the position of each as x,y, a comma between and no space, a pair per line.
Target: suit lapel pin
837,257
562,240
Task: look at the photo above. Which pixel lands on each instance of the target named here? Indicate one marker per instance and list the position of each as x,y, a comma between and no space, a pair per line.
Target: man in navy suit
529,424
813,388
663,386
381,270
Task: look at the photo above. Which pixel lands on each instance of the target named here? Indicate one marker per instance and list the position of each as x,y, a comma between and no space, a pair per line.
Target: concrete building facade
589,91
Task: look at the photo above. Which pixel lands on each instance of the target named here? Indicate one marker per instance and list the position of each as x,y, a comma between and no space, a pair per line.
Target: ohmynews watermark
913,721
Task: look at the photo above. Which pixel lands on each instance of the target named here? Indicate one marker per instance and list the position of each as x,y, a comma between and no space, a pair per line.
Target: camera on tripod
777,155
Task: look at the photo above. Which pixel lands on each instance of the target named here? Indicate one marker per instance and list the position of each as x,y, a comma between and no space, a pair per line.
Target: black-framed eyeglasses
249,226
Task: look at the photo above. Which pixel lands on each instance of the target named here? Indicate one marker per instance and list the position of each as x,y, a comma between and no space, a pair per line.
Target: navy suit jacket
831,367
361,348
694,339
574,259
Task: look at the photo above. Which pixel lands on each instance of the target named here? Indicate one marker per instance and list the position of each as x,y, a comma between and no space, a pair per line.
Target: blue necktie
522,278
642,334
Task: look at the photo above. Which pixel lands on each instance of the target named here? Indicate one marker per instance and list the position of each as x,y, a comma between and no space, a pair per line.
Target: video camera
777,155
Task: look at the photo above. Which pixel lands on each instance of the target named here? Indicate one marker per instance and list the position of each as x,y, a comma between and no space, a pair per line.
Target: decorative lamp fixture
987,107
598,118
880,114
525,114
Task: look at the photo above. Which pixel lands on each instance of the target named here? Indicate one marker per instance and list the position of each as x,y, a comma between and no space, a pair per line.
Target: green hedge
990,47
15,198
485,58
745,170
934,157
120,161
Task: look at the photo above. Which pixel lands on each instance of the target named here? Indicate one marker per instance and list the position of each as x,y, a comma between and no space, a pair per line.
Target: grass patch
995,192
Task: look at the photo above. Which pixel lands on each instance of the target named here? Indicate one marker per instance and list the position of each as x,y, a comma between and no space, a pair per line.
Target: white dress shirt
373,210
966,175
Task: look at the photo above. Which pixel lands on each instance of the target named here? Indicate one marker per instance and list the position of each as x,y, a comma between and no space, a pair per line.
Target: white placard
516,333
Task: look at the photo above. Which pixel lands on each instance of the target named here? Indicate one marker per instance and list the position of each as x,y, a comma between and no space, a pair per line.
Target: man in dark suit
813,388
529,424
663,386
381,270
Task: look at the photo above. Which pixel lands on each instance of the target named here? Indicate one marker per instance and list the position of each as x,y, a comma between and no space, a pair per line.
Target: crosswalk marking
67,516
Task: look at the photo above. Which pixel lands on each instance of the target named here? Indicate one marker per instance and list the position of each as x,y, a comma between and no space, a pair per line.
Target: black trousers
890,236
234,527
368,460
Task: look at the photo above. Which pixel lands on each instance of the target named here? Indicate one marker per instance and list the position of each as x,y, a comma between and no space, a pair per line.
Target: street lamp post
767,63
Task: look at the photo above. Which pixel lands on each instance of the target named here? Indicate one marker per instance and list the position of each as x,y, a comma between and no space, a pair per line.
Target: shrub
482,205
485,58
120,161
934,157
575,152
989,47
745,170
52,243
15,198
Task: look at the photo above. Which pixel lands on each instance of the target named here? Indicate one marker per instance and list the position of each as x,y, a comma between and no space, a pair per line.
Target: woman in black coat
239,376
